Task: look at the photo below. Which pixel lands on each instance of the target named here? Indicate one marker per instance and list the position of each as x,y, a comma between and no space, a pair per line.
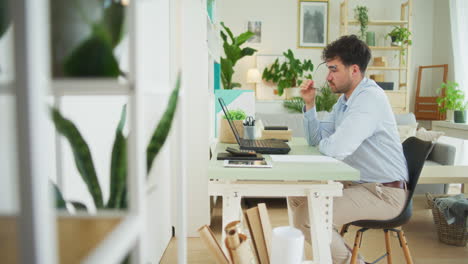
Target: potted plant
118,172
233,53
360,13
452,101
288,74
324,101
225,134
400,36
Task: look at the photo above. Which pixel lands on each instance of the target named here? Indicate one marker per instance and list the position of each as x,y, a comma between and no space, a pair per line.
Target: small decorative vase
460,116
370,38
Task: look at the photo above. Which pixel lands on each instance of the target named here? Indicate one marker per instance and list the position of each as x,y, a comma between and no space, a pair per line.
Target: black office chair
416,152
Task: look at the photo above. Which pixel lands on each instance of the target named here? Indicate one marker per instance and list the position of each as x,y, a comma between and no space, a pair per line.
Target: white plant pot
449,116
292,92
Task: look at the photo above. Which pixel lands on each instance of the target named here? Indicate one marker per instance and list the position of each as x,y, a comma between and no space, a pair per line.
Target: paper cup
287,245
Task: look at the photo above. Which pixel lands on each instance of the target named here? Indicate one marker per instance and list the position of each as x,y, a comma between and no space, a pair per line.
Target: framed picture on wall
312,23
256,28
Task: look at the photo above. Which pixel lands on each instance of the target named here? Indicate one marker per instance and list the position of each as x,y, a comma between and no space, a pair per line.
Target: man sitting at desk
360,131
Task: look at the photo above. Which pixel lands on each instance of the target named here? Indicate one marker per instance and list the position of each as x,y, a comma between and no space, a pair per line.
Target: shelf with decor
400,92
107,233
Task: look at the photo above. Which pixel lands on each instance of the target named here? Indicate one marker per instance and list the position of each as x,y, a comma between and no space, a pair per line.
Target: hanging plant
360,14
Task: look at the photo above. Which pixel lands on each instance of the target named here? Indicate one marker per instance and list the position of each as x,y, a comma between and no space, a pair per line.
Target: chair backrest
416,152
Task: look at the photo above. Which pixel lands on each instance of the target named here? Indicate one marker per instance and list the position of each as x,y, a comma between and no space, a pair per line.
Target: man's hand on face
308,94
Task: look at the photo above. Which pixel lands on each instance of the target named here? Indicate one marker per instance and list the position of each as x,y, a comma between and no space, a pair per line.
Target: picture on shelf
256,28
313,23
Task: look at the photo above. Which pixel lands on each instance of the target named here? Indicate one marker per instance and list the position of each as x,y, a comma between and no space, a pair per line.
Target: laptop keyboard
256,143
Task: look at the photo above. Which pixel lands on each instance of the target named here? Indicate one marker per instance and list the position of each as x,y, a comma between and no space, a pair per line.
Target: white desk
316,181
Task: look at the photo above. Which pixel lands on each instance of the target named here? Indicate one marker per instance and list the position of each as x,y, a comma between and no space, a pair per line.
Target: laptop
264,146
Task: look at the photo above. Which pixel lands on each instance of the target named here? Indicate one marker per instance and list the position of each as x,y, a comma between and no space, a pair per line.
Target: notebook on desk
265,146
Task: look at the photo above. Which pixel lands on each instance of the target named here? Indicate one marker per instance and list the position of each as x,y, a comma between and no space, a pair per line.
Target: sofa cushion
406,131
426,135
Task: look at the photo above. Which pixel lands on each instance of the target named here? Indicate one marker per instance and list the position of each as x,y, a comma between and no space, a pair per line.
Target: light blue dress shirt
362,132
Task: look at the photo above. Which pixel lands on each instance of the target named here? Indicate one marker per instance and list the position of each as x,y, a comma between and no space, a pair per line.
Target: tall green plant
360,14
118,174
290,73
233,53
454,98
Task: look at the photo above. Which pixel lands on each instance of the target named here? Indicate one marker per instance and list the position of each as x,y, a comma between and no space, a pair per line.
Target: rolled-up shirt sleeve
316,130
360,123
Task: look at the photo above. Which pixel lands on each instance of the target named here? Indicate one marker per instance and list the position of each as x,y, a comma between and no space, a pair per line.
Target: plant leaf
81,153
226,73
93,57
113,19
295,104
5,16
242,38
118,170
235,85
160,134
59,201
229,32
247,51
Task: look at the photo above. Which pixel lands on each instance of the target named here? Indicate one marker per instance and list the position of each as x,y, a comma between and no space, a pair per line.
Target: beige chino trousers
367,201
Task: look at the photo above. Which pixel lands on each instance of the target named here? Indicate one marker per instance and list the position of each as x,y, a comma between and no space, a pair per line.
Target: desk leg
231,212
320,226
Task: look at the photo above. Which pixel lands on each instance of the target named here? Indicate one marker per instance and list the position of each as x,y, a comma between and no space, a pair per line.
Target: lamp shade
253,76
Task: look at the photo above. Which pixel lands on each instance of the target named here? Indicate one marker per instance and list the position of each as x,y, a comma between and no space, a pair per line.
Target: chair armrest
443,154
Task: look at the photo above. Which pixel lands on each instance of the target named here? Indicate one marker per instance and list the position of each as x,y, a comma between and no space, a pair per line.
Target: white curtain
459,26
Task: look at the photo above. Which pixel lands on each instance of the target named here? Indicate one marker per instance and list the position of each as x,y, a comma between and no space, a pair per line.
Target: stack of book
241,249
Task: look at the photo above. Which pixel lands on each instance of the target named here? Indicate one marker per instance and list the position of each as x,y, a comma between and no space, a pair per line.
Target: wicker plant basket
455,234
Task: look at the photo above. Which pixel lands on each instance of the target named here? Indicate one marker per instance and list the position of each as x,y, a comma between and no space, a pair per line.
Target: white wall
430,27
280,27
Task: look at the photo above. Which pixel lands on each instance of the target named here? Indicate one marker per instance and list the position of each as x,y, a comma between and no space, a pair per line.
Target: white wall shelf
90,86
385,48
381,22
386,68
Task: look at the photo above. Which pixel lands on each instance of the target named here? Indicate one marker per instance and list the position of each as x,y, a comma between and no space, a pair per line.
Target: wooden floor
420,233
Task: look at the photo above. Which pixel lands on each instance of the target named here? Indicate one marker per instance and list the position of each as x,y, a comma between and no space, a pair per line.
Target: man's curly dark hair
350,50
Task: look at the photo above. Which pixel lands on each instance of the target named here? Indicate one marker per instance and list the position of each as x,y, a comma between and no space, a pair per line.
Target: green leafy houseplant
236,115
118,171
289,73
94,56
400,36
5,17
454,98
360,14
233,53
324,101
